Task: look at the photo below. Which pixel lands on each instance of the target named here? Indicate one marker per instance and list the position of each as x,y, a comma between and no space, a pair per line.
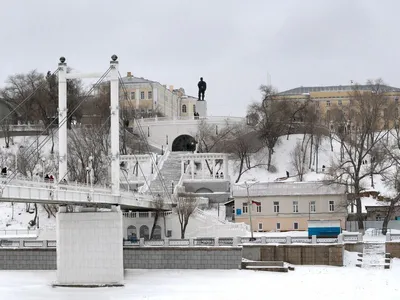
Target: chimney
129,74
171,88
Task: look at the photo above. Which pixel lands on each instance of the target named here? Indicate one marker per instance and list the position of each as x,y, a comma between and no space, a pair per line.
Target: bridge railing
26,127
186,118
199,241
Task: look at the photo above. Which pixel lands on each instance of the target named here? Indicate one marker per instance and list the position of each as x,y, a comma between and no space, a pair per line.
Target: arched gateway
184,142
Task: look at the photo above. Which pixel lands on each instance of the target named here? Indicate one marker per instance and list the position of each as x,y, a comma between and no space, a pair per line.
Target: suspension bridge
89,241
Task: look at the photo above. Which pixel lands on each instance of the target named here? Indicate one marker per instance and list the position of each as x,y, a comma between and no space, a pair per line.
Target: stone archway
204,190
144,232
184,143
157,233
131,232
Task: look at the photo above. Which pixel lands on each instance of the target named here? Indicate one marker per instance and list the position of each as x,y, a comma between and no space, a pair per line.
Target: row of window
295,207
184,108
340,103
278,226
142,95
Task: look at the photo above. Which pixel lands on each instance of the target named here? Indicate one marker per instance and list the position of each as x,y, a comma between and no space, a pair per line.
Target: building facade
331,101
147,99
287,206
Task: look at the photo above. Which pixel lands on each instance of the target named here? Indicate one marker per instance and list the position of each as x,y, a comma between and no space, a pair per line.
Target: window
183,108
260,226
295,226
378,217
295,206
141,95
339,102
149,95
396,100
312,206
194,107
331,205
276,206
258,208
132,95
278,226
328,103
245,208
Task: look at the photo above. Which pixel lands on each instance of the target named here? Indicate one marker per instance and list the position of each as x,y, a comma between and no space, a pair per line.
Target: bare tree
273,117
243,144
83,143
158,206
362,145
27,159
185,205
212,138
5,128
299,159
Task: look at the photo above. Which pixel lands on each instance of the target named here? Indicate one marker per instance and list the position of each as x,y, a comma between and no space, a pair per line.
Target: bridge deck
39,192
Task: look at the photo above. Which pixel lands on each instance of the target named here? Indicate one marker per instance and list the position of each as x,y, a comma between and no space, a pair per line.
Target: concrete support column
114,130
192,167
90,248
359,237
62,122
388,238
314,239
340,238
263,240
288,240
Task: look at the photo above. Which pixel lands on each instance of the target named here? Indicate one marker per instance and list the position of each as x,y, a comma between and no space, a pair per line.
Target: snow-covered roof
133,79
334,88
262,189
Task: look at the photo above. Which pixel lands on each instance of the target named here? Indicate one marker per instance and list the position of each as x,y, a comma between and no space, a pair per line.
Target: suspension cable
65,119
28,98
160,177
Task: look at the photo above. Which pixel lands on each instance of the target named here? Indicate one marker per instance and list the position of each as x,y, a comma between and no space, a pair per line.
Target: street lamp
43,160
91,171
87,176
248,185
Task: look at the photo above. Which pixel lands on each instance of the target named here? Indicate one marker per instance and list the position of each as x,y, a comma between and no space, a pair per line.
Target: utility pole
249,205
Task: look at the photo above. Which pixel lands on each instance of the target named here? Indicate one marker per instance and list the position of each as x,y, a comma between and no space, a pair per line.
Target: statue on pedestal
202,85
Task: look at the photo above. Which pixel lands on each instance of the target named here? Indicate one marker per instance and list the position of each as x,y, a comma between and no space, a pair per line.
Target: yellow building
326,99
151,98
287,206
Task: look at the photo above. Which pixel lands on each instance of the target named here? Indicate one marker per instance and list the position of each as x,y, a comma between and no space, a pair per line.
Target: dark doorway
184,143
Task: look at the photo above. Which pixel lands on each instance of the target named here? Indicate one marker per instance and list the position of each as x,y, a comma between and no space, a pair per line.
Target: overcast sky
232,44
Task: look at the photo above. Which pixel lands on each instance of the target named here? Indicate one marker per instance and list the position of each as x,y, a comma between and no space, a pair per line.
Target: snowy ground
316,282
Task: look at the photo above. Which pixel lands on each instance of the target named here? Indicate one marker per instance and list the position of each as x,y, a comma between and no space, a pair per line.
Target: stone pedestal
90,248
201,108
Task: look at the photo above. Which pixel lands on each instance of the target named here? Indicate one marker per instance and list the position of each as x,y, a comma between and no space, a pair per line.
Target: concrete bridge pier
89,247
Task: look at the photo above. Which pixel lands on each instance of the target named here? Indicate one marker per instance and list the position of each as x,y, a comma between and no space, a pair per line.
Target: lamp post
43,160
87,176
91,172
248,185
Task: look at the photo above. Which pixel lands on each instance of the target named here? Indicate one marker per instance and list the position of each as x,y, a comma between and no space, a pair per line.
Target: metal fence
204,241
352,226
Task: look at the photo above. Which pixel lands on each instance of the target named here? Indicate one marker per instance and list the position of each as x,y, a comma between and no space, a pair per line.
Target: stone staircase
171,171
374,256
271,266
